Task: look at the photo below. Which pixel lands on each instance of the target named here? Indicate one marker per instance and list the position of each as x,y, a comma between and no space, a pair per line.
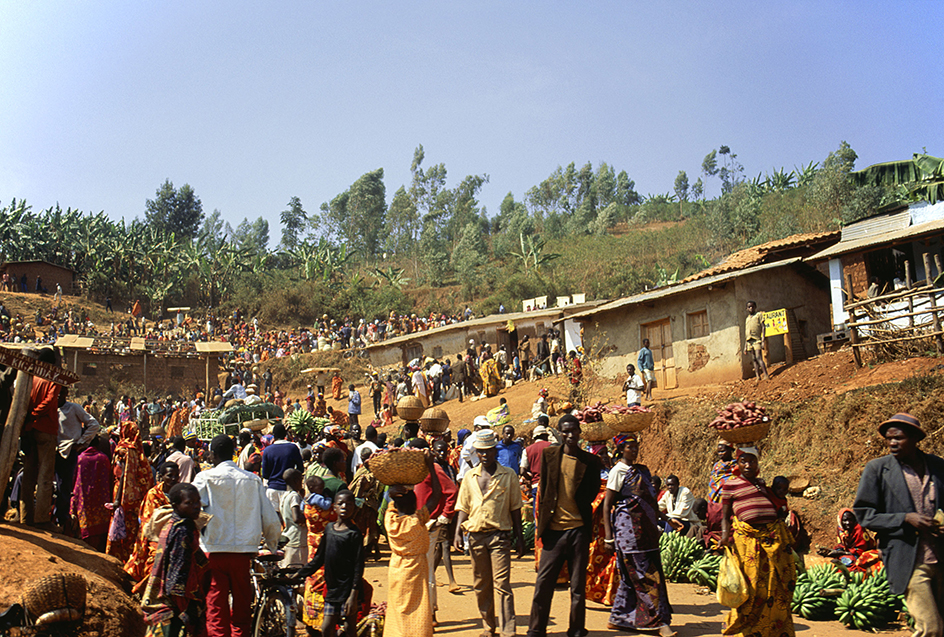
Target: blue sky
253,103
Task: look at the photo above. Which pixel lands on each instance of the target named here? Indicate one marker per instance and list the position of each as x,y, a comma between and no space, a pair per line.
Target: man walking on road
898,497
242,514
570,480
489,510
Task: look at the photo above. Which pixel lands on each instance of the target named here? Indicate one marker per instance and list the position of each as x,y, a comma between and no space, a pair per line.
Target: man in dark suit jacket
898,497
570,480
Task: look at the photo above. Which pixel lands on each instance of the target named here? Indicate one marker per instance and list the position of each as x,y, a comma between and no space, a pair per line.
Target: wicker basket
55,592
596,431
256,425
399,466
410,408
628,423
744,435
434,421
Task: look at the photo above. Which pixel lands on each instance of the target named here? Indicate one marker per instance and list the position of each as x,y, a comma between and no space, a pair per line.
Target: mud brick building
50,273
160,369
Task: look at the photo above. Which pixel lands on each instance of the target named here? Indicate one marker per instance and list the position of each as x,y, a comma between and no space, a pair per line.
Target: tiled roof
761,253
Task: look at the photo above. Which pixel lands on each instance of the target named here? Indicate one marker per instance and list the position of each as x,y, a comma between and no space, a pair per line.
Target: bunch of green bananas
809,603
704,572
678,554
868,604
824,576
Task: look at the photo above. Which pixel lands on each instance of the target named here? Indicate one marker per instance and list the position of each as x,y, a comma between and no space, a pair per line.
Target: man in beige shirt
489,510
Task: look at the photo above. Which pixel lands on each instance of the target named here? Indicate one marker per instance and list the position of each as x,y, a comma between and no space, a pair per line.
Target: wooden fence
889,323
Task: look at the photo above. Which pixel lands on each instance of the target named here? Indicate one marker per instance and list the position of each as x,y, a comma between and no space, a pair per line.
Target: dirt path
695,612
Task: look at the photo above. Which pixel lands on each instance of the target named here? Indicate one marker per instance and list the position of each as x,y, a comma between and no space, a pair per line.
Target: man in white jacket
242,516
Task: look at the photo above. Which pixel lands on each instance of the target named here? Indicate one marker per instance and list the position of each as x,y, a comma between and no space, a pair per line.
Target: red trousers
229,575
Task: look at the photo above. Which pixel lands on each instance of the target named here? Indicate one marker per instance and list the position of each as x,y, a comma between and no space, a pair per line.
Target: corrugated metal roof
491,319
678,288
876,225
897,236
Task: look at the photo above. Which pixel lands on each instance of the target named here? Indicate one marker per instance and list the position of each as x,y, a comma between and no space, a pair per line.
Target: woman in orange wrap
133,479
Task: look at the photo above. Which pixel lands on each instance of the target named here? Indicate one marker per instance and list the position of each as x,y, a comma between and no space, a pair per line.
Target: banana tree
532,254
921,177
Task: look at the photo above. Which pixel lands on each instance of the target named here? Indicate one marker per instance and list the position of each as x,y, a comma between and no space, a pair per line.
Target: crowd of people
187,516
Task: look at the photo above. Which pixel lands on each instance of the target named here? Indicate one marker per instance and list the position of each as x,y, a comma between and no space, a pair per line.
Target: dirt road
695,613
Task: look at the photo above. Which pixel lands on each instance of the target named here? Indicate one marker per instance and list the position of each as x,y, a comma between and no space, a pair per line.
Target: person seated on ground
676,503
708,528
855,547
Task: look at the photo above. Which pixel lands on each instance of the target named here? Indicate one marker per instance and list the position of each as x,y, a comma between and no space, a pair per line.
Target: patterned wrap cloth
766,559
642,600
133,478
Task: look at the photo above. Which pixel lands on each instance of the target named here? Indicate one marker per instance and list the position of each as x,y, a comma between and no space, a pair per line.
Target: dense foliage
434,247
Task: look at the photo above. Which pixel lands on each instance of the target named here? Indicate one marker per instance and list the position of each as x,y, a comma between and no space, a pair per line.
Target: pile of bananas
301,421
867,603
704,572
678,554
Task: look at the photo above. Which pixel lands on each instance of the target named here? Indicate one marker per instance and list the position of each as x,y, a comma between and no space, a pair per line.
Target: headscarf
855,541
597,447
190,434
267,440
621,439
461,435
743,451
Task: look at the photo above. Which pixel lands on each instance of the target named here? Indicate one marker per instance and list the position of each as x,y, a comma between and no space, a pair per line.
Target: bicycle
275,606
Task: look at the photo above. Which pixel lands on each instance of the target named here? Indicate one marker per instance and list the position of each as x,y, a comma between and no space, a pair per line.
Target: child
174,593
779,488
341,552
386,415
409,613
290,508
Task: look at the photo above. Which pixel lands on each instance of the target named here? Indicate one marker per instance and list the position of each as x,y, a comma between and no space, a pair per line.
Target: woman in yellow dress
763,549
409,613
491,378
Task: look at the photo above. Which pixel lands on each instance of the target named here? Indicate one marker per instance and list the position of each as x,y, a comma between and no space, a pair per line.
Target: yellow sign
775,322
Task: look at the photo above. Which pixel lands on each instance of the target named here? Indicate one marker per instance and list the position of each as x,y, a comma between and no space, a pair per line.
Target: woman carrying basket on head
409,613
761,546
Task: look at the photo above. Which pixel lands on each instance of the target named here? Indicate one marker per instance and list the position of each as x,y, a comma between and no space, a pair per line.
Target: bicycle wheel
275,616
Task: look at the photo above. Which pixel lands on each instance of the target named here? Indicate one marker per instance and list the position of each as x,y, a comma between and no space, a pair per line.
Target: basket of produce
434,421
628,419
241,413
592,426
410,408
742,423
399,466
56,593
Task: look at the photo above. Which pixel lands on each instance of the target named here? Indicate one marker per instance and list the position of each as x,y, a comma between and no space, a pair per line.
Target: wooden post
853,332
207,394
937,264
145,372
910,299
10,442
938,341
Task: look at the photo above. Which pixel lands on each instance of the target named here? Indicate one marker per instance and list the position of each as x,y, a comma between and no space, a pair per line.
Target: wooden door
660,342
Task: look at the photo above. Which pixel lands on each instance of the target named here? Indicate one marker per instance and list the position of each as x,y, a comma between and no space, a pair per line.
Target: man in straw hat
899,498
488,510
570,481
